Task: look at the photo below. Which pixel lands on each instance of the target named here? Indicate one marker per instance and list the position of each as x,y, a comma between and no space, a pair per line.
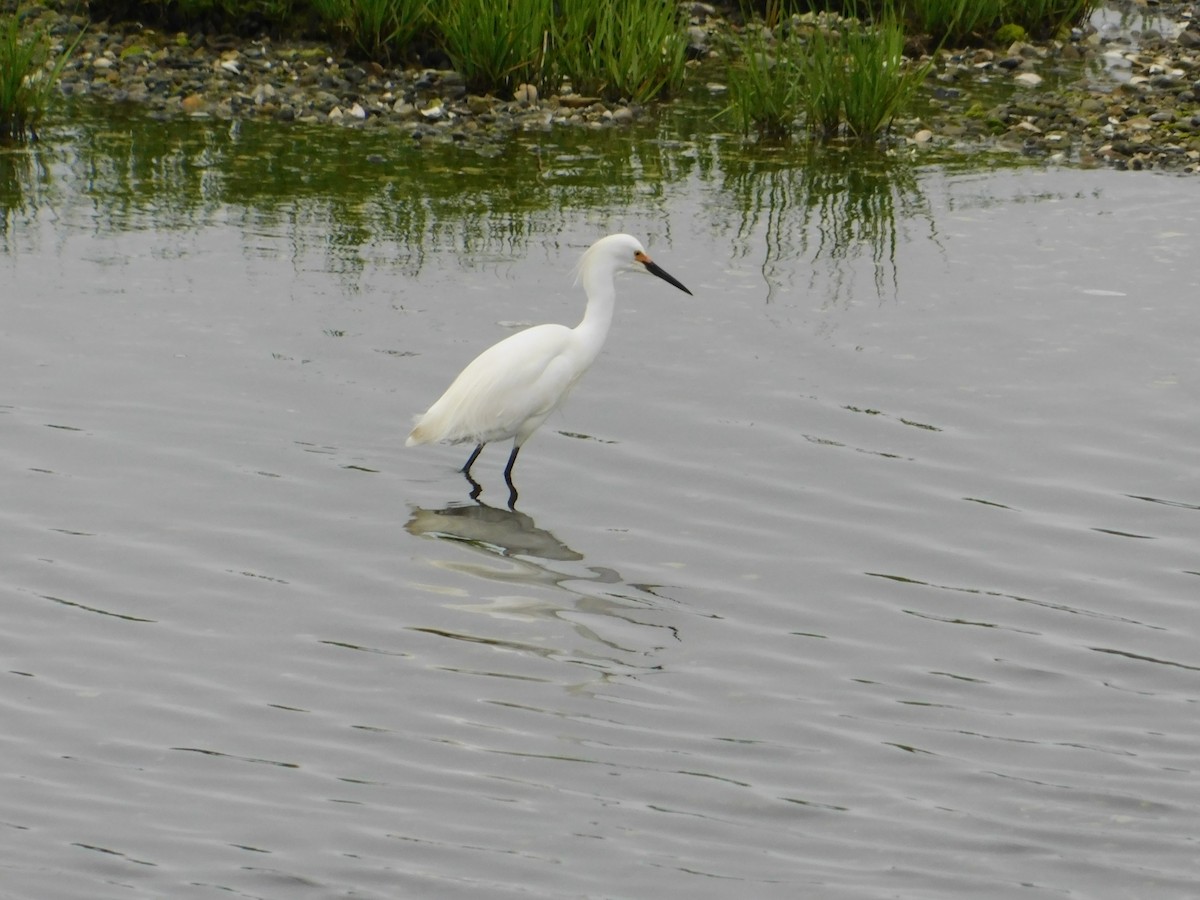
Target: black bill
656,269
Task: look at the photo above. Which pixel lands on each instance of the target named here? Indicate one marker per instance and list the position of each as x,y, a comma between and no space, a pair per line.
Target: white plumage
510,389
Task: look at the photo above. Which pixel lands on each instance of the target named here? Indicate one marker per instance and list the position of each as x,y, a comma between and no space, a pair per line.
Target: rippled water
869,571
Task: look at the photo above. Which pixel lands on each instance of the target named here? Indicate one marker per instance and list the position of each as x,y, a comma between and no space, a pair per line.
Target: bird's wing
526,373
520,378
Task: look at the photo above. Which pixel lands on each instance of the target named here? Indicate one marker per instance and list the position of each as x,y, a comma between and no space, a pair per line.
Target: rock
435,110
478,105
577,101
1132,103
454,86
324,101
262,93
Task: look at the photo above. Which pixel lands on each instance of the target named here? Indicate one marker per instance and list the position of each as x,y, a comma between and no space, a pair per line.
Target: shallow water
869,571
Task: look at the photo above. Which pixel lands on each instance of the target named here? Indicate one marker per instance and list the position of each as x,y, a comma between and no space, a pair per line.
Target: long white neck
598,283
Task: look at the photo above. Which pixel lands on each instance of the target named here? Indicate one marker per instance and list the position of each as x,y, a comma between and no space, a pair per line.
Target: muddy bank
1124,92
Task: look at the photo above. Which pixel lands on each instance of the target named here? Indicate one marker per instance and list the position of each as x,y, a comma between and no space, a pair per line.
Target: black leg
466,470
512,459
512,488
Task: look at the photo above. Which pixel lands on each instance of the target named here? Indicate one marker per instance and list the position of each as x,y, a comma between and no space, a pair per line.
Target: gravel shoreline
1121,96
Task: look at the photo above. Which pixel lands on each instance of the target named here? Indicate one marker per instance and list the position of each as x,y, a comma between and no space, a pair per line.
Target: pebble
1128,98
1121,97
228,77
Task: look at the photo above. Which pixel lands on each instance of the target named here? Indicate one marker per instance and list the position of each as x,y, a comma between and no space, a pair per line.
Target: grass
977,21
871,75
842,77
610,48
837,74
952,22
379,29
632,49
1047,18
497,44
846,77
29,69
618,49
765,90
821,76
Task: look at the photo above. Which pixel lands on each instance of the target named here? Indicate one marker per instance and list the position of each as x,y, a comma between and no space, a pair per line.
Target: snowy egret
510,389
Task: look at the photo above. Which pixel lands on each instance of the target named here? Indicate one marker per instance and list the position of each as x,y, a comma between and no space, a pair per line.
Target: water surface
869,571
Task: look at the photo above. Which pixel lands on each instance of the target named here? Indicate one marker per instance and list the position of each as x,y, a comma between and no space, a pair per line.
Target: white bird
510,389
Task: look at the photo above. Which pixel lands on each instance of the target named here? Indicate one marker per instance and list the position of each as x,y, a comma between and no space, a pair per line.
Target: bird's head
620,251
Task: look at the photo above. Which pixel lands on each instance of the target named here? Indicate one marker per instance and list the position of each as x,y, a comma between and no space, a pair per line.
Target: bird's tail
421,434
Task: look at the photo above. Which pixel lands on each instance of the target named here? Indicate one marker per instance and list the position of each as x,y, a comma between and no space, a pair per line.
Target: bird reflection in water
504,532
512,549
